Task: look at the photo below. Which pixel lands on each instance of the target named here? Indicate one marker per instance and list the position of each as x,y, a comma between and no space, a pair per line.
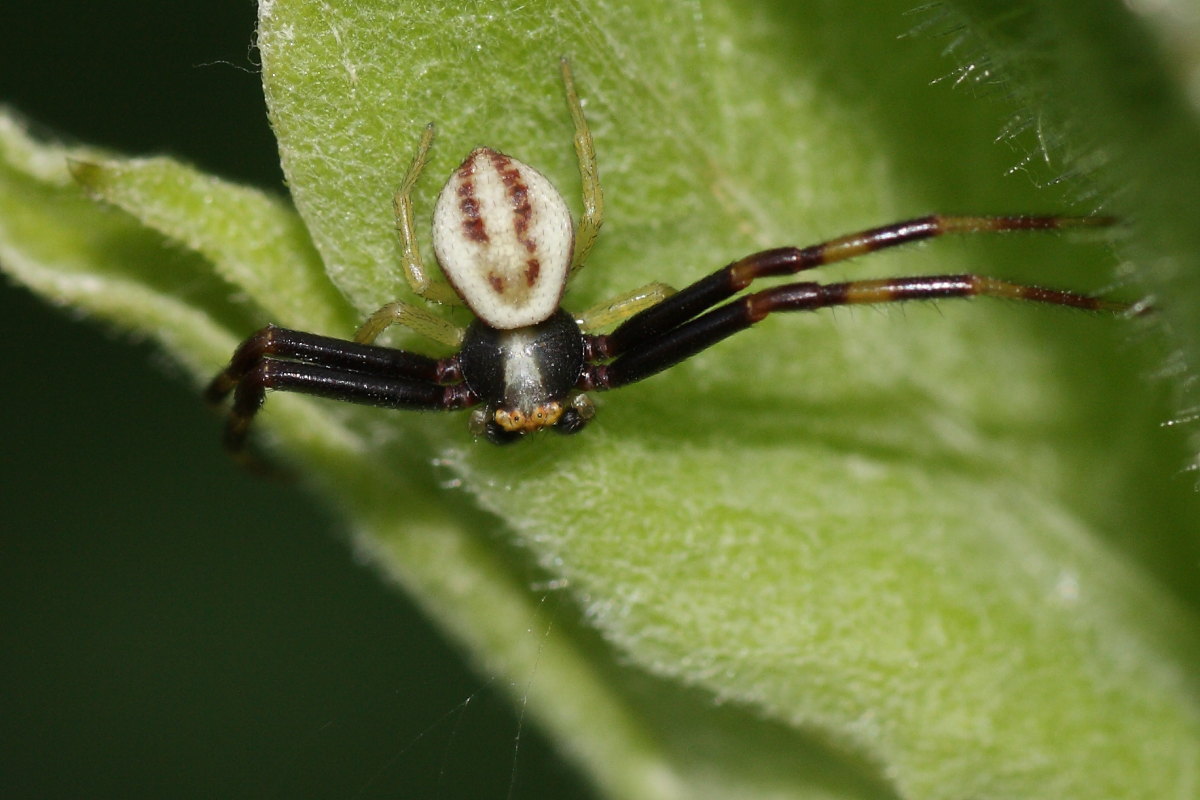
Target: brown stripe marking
522,210
518,198
468,203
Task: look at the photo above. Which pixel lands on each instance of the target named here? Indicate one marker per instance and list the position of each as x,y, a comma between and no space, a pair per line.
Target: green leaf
253,241
78,254
936,552
1112,94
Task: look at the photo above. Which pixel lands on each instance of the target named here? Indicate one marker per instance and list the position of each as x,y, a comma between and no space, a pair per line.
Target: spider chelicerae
505,241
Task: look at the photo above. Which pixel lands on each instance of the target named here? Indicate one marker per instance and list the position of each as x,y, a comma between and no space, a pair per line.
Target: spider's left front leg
639,360
737,276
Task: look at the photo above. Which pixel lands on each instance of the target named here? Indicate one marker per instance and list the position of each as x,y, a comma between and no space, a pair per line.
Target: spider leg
282,343
639,361
733,278
418,277
406,315
279,358
622,307
335,384
589,174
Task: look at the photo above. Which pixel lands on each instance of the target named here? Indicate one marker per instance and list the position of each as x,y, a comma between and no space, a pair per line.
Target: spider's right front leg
295,361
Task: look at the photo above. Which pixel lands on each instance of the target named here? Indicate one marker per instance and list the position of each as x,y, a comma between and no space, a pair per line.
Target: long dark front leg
335,384
351,356
733,278
664,351
279,358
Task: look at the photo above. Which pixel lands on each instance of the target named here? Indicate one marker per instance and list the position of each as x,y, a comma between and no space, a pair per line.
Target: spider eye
542,415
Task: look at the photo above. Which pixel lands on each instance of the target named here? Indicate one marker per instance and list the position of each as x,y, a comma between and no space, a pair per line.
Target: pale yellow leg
589,174
622,307
414,269
416,319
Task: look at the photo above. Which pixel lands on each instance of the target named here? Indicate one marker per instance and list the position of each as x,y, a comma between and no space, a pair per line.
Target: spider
505,241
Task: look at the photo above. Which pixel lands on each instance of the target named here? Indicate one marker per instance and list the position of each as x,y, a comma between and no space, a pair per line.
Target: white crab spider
504,239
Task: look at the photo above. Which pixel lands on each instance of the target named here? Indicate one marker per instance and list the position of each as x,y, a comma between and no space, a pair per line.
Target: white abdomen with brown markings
504,239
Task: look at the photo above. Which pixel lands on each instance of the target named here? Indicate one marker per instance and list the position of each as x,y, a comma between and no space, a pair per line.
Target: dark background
169,625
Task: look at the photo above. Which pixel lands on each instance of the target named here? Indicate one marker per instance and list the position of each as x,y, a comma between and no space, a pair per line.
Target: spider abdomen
524,375
504,239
